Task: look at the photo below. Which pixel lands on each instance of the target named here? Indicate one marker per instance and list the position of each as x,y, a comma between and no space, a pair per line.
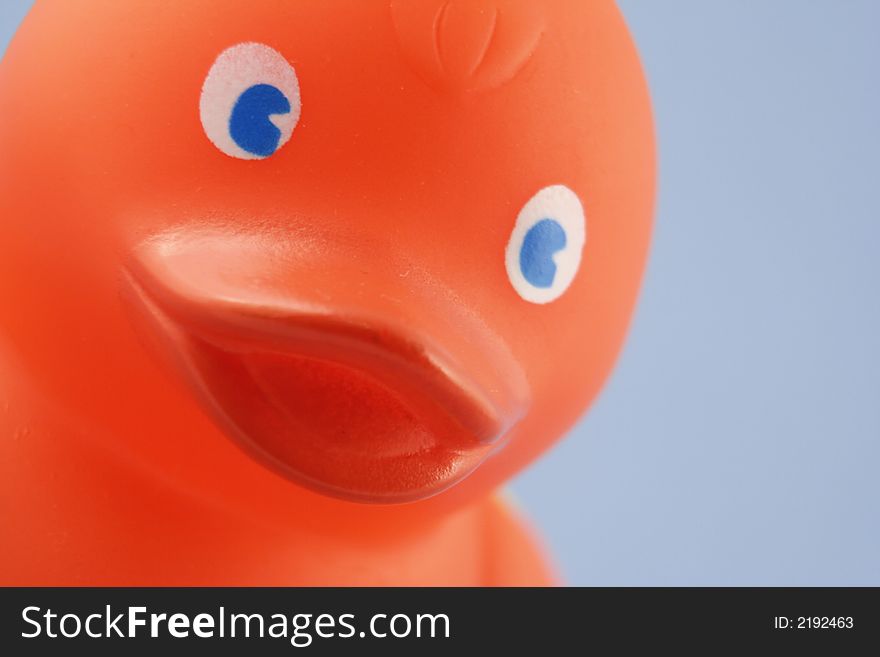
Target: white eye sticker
250,102
544,251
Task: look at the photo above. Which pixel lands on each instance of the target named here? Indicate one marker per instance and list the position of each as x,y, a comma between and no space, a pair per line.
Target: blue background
738,441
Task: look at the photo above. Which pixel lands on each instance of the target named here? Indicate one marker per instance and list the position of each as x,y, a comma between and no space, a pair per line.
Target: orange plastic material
311,367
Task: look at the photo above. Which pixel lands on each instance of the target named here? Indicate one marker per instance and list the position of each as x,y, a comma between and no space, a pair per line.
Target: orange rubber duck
289,289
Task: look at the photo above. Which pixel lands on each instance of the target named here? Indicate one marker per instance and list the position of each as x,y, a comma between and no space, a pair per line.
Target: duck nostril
468,45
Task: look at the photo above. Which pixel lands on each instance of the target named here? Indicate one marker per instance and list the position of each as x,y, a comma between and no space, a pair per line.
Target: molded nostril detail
468,45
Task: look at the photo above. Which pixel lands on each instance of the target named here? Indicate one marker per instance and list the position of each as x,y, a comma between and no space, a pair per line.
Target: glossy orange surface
311,367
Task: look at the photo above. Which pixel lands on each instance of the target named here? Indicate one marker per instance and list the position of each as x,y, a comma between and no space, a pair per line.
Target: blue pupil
249,124
544,239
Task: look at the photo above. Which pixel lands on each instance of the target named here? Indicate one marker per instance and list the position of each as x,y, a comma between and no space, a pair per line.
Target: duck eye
250,102
545,248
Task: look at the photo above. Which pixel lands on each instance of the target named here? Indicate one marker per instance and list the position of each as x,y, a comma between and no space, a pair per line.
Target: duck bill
370,393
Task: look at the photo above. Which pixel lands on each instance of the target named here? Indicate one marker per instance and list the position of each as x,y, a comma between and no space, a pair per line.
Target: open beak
370,388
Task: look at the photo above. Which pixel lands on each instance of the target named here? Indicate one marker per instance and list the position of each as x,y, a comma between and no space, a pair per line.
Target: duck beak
367,388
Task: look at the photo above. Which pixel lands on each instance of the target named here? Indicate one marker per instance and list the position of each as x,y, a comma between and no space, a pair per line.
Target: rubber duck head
383,249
